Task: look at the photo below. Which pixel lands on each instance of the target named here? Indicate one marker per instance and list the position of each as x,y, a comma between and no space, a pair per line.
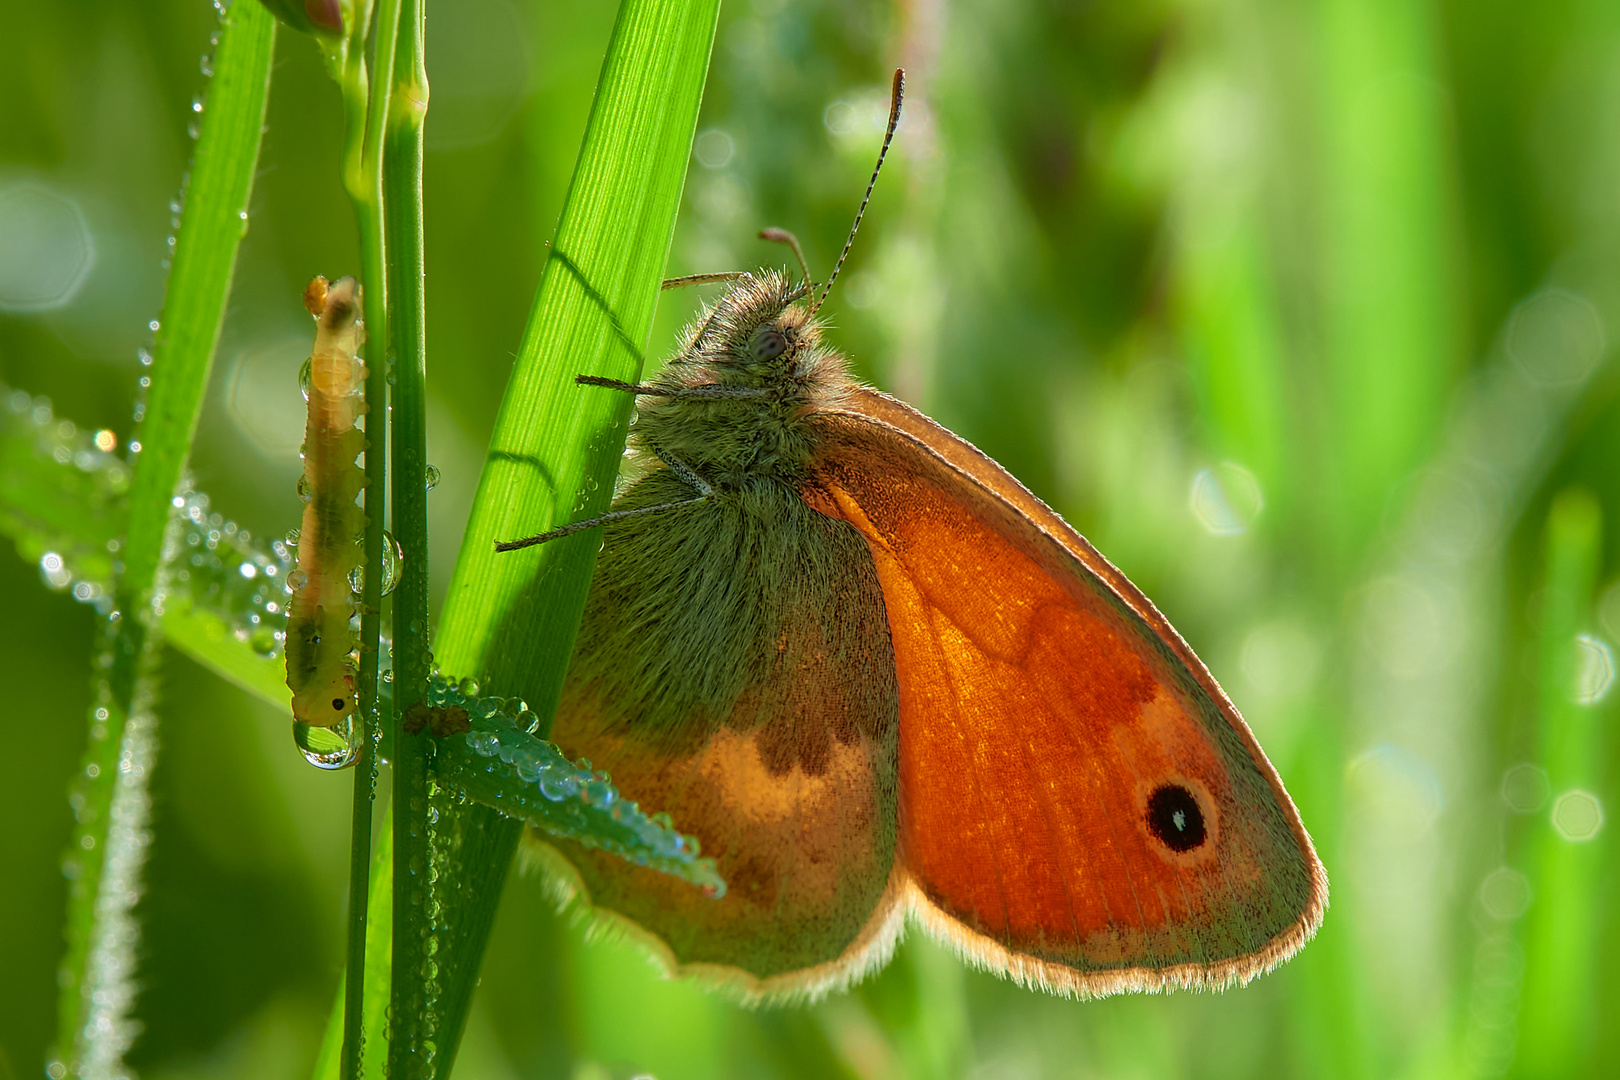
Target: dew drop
306,372
54,572
392,557
327,748
263,642
468,687
596,792
432,477
558,782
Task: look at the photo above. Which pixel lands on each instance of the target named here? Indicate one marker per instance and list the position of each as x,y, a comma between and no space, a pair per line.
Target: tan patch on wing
806,858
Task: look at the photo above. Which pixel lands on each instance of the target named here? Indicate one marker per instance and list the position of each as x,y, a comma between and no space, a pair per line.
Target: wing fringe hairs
904,904
869,952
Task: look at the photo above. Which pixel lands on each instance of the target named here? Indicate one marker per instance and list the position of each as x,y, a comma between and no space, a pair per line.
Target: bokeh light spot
1556,337
1505,893
1396,786
1525,788
713,149
263,398
46,250
1594,669
1226,499
1577,815
53,571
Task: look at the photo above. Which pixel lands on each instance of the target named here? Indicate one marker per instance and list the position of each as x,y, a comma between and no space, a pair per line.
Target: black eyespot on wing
1174,817
767,343
337,704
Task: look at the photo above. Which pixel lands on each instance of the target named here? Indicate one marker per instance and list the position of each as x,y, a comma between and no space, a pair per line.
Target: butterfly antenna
896,96
782,236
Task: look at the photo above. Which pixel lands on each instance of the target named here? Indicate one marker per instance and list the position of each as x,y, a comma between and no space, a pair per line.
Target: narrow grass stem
413,1024
368,97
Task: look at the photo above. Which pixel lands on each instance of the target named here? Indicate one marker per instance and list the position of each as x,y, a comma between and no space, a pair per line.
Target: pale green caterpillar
320,641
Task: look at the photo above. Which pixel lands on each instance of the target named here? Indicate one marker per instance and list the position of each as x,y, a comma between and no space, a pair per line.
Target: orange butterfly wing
1081,807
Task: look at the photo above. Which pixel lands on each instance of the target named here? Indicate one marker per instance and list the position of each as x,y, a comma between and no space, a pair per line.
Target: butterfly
877,678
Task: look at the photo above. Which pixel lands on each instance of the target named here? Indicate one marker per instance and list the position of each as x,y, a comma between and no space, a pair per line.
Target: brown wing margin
1055,731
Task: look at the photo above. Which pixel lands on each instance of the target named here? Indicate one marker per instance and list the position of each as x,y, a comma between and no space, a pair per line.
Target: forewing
1081,807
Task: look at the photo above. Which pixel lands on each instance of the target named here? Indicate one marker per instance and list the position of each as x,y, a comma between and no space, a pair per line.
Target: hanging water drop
431,476
305,373
327,748
392,557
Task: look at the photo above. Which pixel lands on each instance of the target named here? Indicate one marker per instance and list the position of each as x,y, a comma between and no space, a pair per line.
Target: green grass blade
62,501
1565,859
1390,331
109,797
500,764
555,452
510,618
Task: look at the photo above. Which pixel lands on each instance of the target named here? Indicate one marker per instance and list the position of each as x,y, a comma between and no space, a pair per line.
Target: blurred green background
1300,312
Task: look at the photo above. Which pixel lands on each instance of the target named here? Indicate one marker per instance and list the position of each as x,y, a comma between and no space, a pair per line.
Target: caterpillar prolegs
321,641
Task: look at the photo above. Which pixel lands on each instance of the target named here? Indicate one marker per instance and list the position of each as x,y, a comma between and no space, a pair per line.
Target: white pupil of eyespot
1180,820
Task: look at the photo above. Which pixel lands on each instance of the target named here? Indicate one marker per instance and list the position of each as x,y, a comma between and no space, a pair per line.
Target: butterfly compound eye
767,343
1173,815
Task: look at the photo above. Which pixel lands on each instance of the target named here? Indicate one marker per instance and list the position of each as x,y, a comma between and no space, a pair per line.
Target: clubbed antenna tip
897,94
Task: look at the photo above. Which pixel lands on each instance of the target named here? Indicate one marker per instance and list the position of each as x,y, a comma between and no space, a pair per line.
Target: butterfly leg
676,465
674,392
687,473
701,279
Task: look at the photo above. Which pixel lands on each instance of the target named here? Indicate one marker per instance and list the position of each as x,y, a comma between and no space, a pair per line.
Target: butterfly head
760,333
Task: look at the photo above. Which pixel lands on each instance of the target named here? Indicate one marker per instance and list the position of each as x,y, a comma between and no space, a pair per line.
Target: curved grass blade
555,452
109,799
485,748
